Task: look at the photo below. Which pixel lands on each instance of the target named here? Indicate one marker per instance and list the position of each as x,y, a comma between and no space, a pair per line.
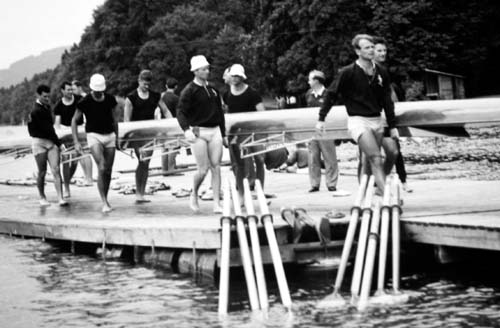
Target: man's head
43,94
144,80
77,87
97,84
200,67
226,77
66,90
316,78
171,83
237,73
363,46
380,50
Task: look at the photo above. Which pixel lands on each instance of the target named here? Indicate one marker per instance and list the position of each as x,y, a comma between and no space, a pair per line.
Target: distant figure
242,98
170,99
63,112
200,116
102,132
45,144
315,97
366,91
140,105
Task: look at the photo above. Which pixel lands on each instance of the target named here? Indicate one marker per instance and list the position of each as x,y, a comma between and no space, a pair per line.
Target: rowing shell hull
422,118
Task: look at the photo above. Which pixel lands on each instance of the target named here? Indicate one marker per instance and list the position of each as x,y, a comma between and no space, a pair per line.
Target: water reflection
43,287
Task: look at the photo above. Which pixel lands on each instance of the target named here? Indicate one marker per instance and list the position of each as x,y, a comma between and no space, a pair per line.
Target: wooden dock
458,213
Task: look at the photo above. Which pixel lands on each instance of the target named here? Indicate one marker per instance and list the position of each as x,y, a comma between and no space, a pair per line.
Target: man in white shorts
102,132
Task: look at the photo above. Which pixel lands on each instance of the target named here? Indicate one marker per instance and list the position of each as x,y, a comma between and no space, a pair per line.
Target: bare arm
164,109
127,111
74,129
57,122
115,125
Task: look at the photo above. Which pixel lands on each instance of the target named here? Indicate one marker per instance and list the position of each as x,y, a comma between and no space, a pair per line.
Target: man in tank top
140,105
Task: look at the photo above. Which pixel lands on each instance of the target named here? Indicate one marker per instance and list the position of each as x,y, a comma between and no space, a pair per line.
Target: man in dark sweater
140,105
200,116
45,144
366,91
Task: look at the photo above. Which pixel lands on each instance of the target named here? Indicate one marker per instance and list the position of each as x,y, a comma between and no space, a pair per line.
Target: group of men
364,86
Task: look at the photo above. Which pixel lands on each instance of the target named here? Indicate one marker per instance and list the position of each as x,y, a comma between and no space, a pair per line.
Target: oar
363,234
225,222
396,212
335,299
245,252
267,221
252,220
384,236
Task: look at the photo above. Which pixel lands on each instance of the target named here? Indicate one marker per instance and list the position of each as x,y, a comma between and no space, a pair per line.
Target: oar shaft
395,235
273,246
225,247
244,250
384,235
257,256
351,230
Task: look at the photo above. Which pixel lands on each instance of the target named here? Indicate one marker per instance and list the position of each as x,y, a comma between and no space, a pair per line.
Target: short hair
42,88
379,40
359,37
172,82
318,75
64,84
77,83
146,75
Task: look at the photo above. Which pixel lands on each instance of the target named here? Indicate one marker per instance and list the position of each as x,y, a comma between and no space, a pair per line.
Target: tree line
278,42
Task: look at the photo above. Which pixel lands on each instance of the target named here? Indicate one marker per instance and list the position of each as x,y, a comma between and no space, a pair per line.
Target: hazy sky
28,27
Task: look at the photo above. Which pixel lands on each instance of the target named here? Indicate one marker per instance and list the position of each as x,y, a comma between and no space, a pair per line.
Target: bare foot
107,209
66,194
44,202
193,202
141,200
217,209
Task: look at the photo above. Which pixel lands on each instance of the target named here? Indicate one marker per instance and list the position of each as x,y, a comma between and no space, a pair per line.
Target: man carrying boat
102,132
45,144
366,91
141,105
200,116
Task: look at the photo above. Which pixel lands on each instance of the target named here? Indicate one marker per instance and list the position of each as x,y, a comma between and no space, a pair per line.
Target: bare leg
104,158
215,157
68,171
200,152
369,143
260,169
41,163
86,163
141,176
391,153
53,156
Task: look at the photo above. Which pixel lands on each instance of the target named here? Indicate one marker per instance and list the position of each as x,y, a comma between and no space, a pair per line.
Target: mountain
27,67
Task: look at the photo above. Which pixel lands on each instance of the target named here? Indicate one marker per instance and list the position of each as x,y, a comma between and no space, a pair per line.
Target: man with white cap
200,116
243,98
102,132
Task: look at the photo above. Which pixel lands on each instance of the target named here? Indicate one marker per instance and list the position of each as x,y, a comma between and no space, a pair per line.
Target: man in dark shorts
242,98
45,144
141,105
102,132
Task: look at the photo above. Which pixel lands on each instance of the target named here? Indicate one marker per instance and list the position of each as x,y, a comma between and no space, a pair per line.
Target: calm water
41,286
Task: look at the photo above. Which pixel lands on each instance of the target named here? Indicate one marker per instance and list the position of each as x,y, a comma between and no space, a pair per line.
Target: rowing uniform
364,97
41,129
143,109
100,121
66,112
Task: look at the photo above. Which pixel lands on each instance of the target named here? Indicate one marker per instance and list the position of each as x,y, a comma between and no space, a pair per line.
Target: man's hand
320,127
78,147
394,133
189,135
225,142
117,144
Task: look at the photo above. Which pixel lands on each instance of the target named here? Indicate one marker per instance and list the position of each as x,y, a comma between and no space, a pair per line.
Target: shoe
63,203
332,189
407,188
314,189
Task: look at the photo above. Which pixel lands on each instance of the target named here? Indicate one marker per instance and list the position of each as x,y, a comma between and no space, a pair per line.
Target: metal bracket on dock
73,155
267,144
167,147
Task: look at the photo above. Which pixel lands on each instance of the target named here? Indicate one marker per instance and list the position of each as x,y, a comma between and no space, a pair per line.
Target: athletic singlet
143,109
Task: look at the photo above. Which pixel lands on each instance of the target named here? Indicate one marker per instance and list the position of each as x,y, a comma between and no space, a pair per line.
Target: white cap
237,70
97,83
198,62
